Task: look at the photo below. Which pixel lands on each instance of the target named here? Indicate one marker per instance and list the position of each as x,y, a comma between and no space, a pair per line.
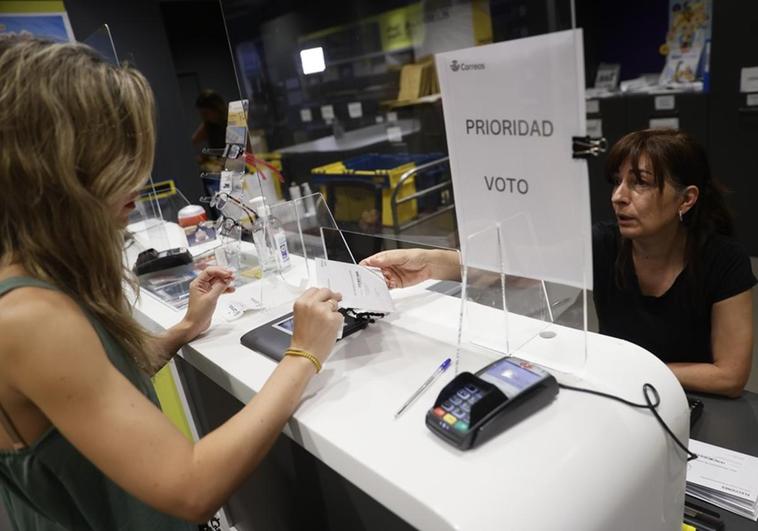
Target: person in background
211,132
668,274
83,443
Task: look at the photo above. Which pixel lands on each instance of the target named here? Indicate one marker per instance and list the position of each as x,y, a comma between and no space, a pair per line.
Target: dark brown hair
677,158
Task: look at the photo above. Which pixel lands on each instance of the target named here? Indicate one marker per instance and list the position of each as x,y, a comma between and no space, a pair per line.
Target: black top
677,325
216,134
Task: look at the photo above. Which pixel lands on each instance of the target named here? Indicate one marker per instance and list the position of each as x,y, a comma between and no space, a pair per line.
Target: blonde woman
82,443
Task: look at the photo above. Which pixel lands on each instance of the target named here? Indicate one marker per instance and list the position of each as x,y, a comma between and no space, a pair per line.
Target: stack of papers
724,478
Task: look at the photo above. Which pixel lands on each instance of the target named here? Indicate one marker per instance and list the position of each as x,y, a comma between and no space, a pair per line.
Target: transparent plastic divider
280,247
483,320
503,314
147,228
101,41
427,305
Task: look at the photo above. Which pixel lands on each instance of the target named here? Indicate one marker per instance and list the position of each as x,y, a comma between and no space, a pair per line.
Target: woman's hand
317,322
203,296
405,267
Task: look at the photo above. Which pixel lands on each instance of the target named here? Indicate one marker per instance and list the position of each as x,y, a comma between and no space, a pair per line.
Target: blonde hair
76,134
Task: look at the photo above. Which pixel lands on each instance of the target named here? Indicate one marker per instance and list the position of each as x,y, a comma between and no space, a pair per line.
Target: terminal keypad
456,410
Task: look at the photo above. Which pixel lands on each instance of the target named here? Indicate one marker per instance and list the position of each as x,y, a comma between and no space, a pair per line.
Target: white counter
582,463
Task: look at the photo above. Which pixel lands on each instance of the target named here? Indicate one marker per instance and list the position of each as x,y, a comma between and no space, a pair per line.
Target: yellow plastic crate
353,203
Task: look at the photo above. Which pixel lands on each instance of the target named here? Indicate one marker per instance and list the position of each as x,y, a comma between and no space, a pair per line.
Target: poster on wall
689,31
41,19
511,110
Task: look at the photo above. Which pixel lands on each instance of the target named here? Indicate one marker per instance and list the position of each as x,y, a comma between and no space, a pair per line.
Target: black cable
653,407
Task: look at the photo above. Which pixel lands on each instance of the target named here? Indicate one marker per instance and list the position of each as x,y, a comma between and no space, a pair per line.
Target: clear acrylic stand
503,314
101,41
278,250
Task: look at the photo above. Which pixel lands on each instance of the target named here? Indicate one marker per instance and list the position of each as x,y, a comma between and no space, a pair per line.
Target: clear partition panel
504,314
101,40
484,331
279,243
351,106
346,101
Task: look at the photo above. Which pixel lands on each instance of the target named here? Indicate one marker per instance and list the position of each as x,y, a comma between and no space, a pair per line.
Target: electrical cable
652,405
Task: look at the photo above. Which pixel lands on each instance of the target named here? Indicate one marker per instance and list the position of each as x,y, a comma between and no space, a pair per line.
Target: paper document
724,478
360,286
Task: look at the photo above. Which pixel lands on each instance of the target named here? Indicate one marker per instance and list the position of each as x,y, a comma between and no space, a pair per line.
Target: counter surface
583,462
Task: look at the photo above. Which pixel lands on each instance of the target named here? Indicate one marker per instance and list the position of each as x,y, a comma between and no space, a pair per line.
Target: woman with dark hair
667,275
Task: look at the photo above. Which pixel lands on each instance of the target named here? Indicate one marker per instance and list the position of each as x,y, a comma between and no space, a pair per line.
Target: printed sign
665,103
394,134
327,112
355,109
511,110
607,76
749,79
594,127
664,123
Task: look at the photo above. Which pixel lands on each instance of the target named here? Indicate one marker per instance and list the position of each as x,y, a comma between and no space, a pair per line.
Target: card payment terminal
473,408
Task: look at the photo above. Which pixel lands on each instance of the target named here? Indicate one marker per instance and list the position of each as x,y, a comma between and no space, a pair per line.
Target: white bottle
294,192
269,239
310,204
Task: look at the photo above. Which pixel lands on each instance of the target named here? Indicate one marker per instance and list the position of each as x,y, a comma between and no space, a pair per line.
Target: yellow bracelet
304,354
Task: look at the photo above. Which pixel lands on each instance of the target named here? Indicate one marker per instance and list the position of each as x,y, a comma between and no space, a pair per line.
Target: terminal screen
510,377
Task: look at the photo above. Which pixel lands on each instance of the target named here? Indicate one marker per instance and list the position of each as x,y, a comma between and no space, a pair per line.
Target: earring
680,217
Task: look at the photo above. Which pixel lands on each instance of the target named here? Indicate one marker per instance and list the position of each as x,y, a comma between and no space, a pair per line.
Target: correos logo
455,66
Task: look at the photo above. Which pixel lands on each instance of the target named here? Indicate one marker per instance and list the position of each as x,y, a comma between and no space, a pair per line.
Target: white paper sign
751,100
360,286
394,134
594,127
665,103
607,76
306,115
663,123
749,79
355,109
593,106
510,111
327,112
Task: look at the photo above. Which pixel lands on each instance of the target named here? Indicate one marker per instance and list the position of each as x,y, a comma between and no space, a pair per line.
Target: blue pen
437,373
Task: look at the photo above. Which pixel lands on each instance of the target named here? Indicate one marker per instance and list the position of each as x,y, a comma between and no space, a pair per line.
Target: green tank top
50,486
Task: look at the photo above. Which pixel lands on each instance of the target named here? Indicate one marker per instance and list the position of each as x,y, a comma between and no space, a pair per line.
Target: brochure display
522,199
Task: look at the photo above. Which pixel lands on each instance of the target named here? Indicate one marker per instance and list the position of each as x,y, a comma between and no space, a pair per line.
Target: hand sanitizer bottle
269,239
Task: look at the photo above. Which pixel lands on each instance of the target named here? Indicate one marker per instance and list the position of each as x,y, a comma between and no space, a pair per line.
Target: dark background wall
140,37
200,52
